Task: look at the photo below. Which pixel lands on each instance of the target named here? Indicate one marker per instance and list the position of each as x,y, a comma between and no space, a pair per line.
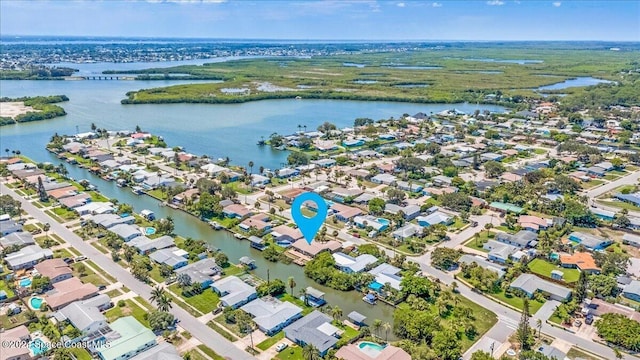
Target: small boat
369,299
121,183
215,225
137,190
238,236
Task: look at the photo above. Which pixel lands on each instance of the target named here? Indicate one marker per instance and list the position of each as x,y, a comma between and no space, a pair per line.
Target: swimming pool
383,221
370,348
37,346
149,231
26,282
35,302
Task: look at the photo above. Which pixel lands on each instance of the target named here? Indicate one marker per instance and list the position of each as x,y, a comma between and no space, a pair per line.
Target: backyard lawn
483,237
130,308
291,353
271,341
204,302
544,268
518,302
4,286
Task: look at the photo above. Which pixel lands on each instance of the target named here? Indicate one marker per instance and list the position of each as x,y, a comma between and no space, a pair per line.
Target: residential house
483,263
409,212
234,292
603,214
18,239
314,329
492,157
258,180
633,240
108,221
316,247
95,208
259,221
591,242
285,236
287,173
237,211
127,339
163,351
345,213
67,291
580,260
506,207
272,315
632,291
144,245
630,198
407,231
187,194
75,201
441,180
499,252
522,239
86,315
126,232
55,269
389,352
350,265
437,217
202,271
385,274
27,257
257,243
534,223
530,284
386,179
406,186
174,257
16,335
9,227
378,224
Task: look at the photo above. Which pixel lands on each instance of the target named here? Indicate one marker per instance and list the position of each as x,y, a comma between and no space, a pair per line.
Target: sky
327,19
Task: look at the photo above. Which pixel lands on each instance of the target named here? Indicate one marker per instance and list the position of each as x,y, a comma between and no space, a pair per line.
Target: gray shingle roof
306,331
269,312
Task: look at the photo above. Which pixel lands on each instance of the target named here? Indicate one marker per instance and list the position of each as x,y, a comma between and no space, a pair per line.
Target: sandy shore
13,109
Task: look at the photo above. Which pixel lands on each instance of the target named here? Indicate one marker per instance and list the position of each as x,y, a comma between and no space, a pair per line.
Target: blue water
149,231
383,221
35,302
366,344
404,67
508,61
577,82
38,347
26,282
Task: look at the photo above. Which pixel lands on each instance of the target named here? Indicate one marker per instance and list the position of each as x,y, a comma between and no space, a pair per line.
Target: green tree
524,333
292,284
160,320
581,287
444,258
493,169
376,206
310,352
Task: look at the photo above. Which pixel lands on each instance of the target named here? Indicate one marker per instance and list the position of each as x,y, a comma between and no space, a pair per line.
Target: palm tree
164,303
539,326
303,293
157,293
46,227
386,327
292,284
7,151
336,313
377,324
299,127
310,352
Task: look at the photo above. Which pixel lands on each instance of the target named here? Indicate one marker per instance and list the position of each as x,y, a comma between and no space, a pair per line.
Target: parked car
81,258
577,323
68,260
474,223
281,347
589,319
102,287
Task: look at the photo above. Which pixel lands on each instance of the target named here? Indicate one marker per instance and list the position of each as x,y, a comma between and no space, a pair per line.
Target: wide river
216,130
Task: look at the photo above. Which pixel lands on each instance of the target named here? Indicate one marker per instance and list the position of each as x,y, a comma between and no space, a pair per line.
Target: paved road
625,180
198,330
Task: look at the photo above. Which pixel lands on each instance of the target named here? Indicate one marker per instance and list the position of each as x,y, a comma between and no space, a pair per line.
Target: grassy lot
185,306
8,322
291,353
611,177
592,184
457,224
220,330
62,253
232,328
5,287
518,302
155,274
538,151
97,197
210,353
113,293
296,301
620,205
576,353
271,341
55,217
205,302
100,248
234,270
65,213
130,308
543,267
80,354
483,237
90,275
485,319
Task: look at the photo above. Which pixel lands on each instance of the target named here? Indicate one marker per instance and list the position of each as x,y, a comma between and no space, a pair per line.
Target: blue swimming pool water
26,282
383,221
35,302
370,348
38,347
149,231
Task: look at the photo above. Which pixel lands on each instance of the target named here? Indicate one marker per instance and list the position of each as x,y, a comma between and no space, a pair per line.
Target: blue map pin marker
309,226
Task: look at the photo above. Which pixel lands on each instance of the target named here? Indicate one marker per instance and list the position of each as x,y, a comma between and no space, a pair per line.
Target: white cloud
495,2
557,3
436,4
400,4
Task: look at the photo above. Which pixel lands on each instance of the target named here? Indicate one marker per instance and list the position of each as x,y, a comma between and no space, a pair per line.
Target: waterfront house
202,271
27,257
16,335
110,220
86,315
233,291
144,245
285,235
257,243
126,232
174,257
237,211
75,201
385,274
258,180
529,284
355,352
127,339
589,241
582,261
437,217
17,239
314,297
483,263
95,208
272,315
55,269
260,222
67,291
407,231
183,196
632,291
316,247
350,265
522,239
314,329
287,173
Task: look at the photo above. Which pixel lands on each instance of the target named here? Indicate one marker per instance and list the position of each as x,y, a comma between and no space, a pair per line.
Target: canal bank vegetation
32,109
37,73
448,75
